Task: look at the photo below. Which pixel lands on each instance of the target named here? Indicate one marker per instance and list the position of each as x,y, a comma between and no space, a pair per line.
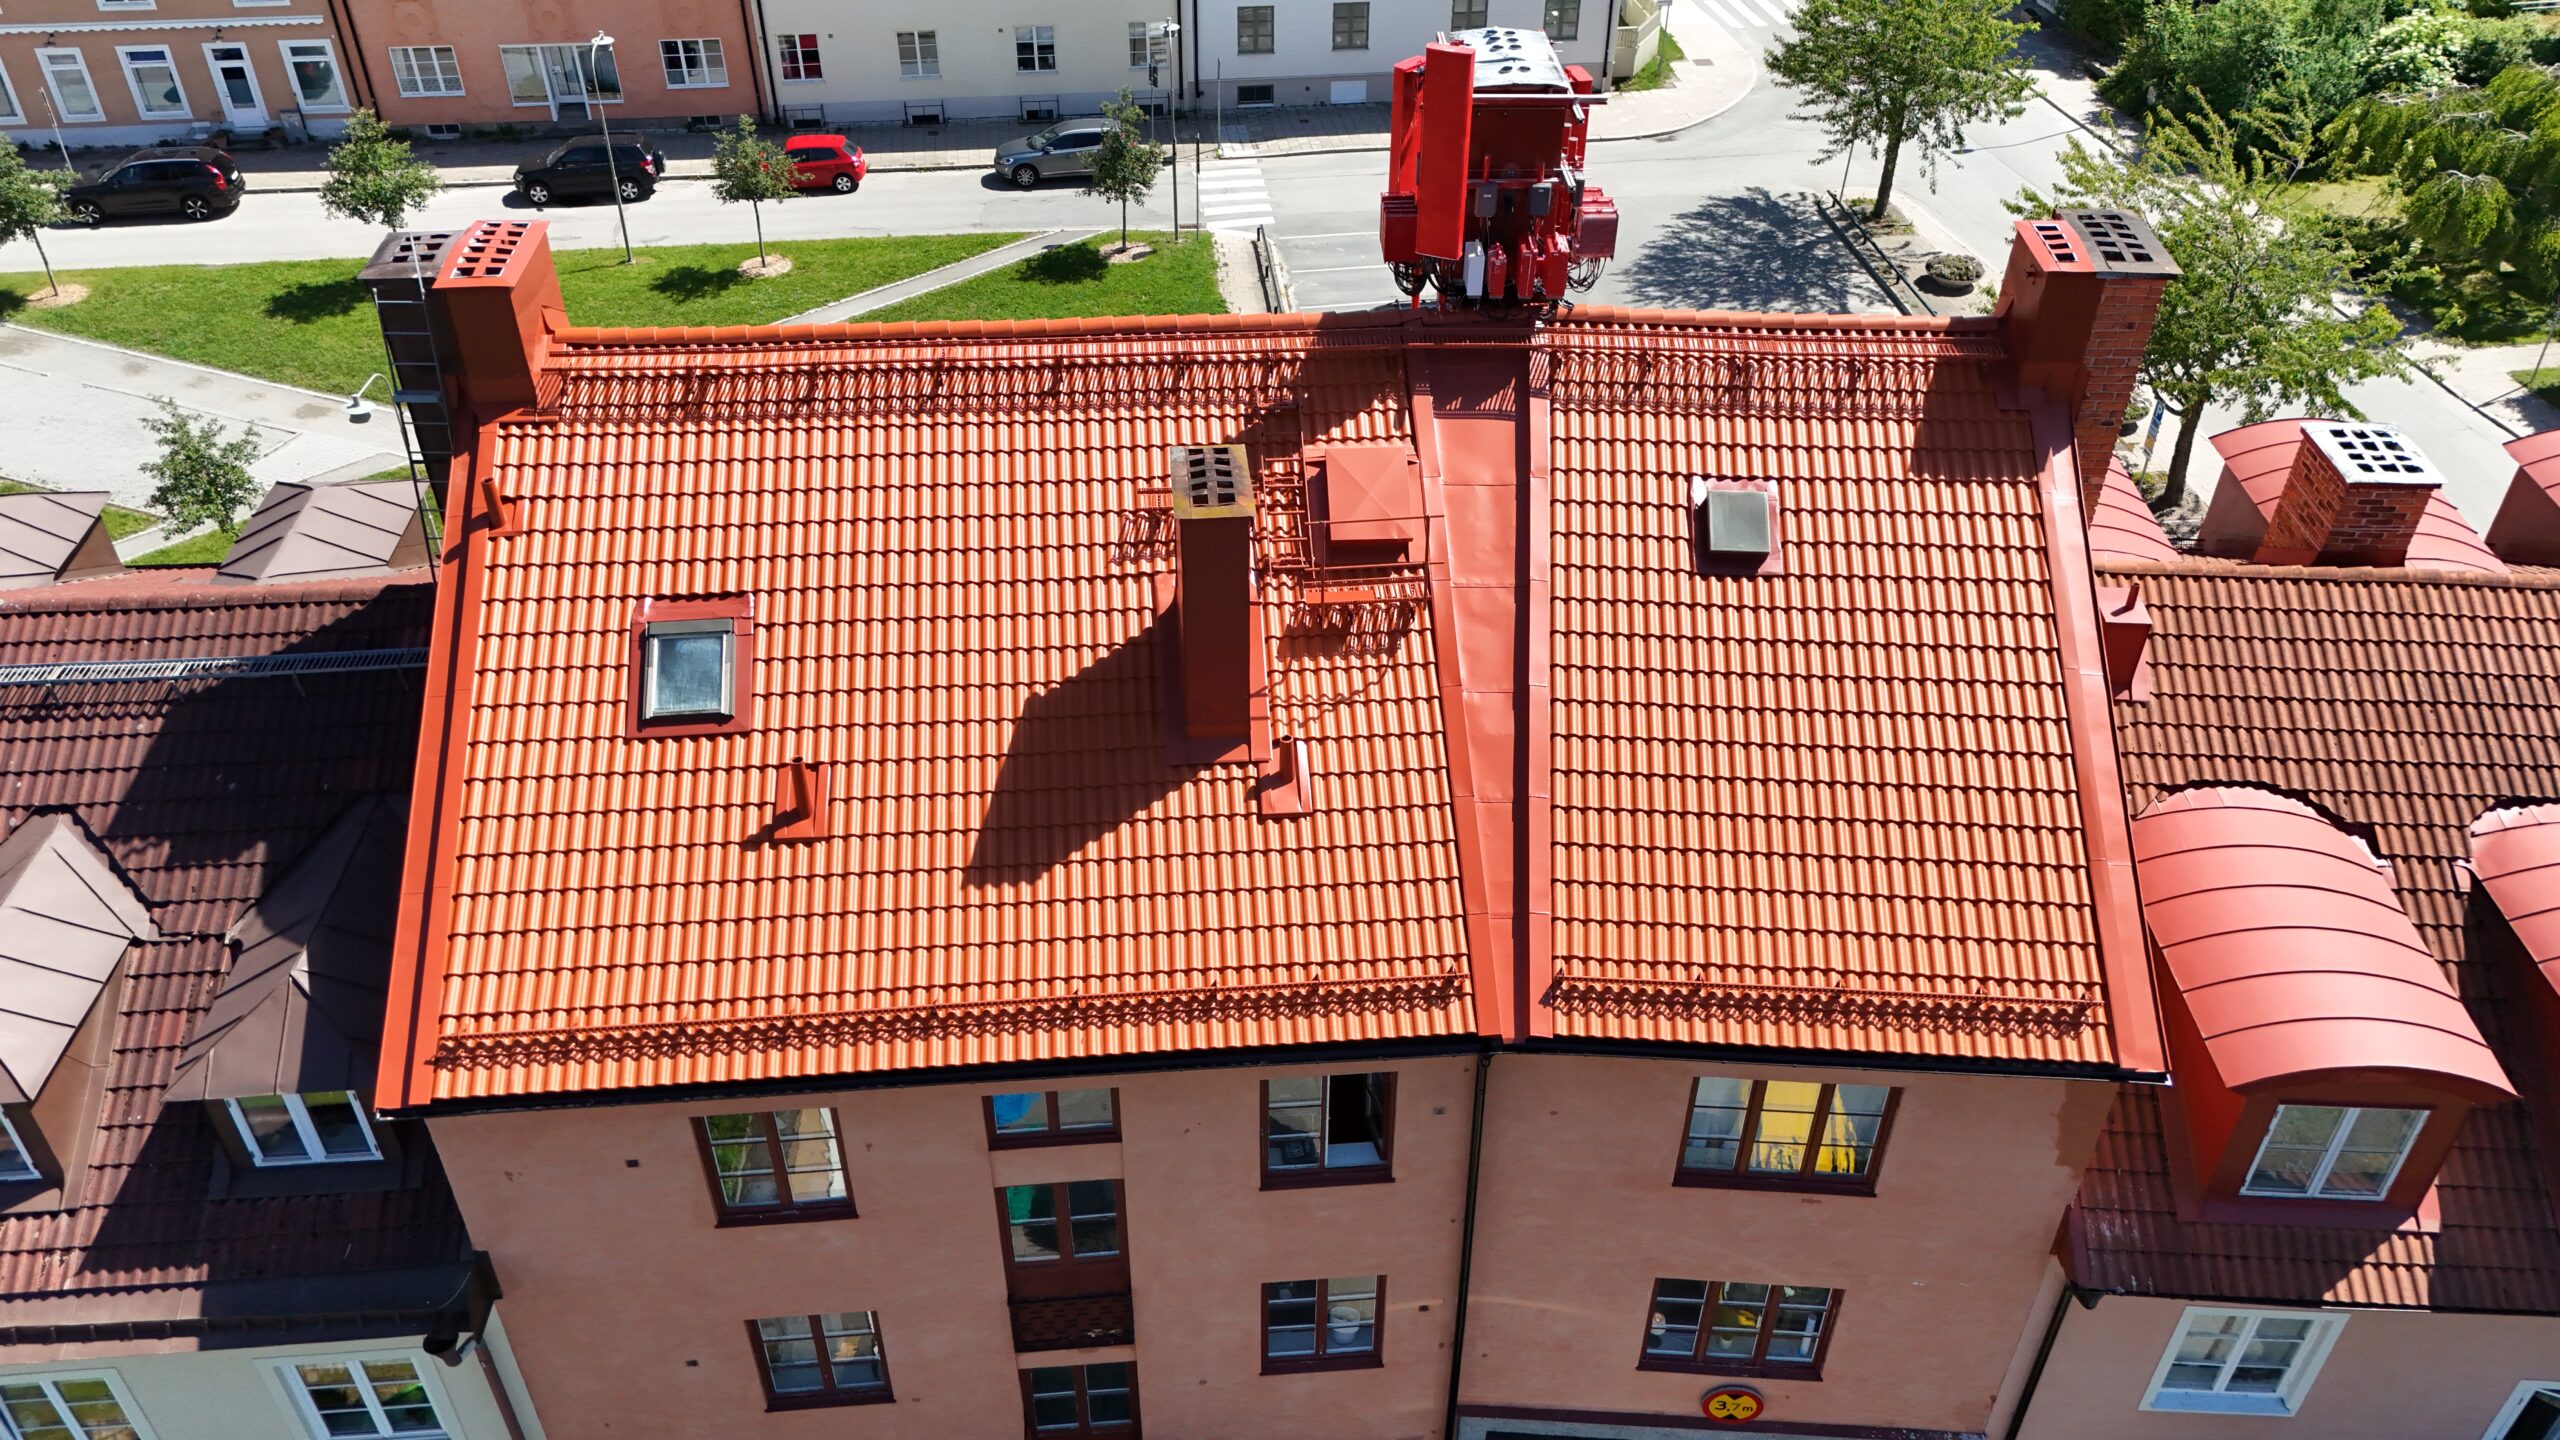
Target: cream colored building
915,61
1341,52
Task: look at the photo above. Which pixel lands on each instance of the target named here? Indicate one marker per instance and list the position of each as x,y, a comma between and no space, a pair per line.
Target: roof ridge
2521,577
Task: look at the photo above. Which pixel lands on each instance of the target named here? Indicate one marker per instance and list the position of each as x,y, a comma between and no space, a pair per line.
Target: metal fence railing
1266,269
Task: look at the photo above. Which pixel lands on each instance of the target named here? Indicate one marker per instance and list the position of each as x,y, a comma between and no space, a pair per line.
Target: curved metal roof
2286,939
2516,852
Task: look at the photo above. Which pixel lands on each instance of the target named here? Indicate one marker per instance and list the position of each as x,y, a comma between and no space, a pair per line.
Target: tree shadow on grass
1066,265
696,282
316,300
11,302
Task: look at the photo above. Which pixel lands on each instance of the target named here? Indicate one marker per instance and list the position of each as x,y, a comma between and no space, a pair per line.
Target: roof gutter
1467,1243
2071,1290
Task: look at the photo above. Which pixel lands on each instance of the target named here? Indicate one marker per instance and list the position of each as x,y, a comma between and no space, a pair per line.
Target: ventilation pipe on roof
2125,626
2355,497
1213,589
800,802
2077,306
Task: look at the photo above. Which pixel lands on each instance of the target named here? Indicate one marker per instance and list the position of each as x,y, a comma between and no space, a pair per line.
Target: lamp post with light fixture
612,167
1166,34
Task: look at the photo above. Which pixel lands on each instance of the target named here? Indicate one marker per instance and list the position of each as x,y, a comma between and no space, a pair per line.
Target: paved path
884,296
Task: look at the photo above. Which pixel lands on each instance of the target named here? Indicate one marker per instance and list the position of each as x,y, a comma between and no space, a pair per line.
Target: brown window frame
1370,1359
1268,33
1806,1177
786,1210
1699,1362
740,612
880,1394
1053,1134
1380,1173
1068,1273
1084,1410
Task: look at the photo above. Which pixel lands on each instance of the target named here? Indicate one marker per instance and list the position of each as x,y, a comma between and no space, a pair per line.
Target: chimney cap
407,254
1210,482
2367,454
2122,243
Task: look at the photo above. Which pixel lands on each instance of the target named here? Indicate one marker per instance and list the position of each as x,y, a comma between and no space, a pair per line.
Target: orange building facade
479,63
76,73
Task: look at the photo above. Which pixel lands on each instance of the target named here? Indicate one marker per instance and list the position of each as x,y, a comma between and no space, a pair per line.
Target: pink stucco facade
469,84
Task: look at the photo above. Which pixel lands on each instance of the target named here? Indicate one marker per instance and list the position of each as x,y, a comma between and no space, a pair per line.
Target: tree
204,478
747,168
2267,313
2244,58
2477,172
1125,164
373,177
1886,73
30,200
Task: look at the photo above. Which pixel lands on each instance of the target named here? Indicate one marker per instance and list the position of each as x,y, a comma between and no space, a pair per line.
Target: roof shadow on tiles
1087,756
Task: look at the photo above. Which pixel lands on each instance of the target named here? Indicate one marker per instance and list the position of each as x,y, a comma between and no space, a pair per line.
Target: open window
692,666
1328,1129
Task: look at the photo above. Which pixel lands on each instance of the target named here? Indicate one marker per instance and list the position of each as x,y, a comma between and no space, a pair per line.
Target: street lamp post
1172,120
613,167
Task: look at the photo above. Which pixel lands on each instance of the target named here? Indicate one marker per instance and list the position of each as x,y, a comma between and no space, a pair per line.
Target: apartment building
2342,763
122,73
915,63
1387,876
206,1233
1343,53
478,63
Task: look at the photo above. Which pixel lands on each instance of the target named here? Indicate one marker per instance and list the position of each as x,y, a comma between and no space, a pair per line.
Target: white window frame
785,43
402,82
8,1176
314,1153
1037,37
2329,1157
714,63
285,49
62,1409
2516,1402
13,111
2287,1399
1142,43
61,111
213,68
298,1396
133,82
117,6
1543,18
919,55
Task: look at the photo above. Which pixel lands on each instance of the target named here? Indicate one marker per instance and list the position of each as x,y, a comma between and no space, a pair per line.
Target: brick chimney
2527,530
1213,589
2077,307
2355,497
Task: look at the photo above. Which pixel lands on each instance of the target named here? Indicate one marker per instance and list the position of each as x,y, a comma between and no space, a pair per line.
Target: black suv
579,171
195,181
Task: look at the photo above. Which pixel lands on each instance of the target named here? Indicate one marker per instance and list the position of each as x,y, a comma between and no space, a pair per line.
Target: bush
2244,56
2415,54
2107,24
1953,269
2489,46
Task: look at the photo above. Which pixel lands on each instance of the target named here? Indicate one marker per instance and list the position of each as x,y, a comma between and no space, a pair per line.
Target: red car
826,162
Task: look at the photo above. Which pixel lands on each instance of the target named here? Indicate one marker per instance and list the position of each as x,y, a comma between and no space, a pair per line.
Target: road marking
1377,268
1718,14
1778,14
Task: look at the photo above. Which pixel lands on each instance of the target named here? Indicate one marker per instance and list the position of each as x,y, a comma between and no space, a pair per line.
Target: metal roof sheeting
303,532
2516,851
48,535
66,919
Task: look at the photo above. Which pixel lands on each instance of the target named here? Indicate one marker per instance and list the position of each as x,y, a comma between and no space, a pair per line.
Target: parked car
194,181
826,162
1065,148
580,170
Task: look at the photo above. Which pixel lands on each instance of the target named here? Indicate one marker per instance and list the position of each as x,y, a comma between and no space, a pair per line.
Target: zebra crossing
1750,14
1233,198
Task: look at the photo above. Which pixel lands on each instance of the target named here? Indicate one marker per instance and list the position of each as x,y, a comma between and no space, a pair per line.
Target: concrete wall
863,82
1304,66
2393,1375
1939,1269
476,28
180,1392
184,28
603,1212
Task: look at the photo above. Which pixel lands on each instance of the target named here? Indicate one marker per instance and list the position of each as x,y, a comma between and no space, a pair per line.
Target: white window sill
2199,1402
431,95
700,85
936,75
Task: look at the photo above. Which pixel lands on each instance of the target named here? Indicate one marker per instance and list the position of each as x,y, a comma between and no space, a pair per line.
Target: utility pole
1165,36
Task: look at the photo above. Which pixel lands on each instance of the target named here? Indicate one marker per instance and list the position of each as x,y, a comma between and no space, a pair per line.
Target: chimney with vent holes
498,297
1213,589
2355,497
2077,307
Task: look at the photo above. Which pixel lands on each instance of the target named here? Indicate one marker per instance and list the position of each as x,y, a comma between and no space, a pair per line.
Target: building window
15,1162
1467,14
1073,1400
691,670
364,1397
1321,1324
69,1407
154,81
423,70
1351,25
1052,1117
127,5
11,112
2333,1152
821,1360
574,74
2242,1362
775,1164
323,1127
1728,1328
1141,44
693,64
1327,1127
66,74
1250,96
2532,1413
1564,19
919,55
1035,48
800,58
1091,1211
1254,29
313,66
1787,1132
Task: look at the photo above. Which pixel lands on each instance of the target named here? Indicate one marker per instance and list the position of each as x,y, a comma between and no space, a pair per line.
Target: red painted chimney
1213,590
2527,530
2077,307
500,299
2355,497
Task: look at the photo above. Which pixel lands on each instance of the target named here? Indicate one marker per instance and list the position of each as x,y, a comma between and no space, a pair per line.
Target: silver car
1065,148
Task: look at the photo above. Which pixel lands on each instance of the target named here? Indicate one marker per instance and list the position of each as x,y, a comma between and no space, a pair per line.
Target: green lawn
205,549
1652,76
120,520
2544,383
307,322
1073,281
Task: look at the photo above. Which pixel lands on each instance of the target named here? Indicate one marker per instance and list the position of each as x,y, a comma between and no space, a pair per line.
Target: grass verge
205,549
1656,74
308,323
120,520
1074,281
2544,383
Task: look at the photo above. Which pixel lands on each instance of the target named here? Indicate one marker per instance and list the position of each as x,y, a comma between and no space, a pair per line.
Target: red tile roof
2411,703
202,792
1867,802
